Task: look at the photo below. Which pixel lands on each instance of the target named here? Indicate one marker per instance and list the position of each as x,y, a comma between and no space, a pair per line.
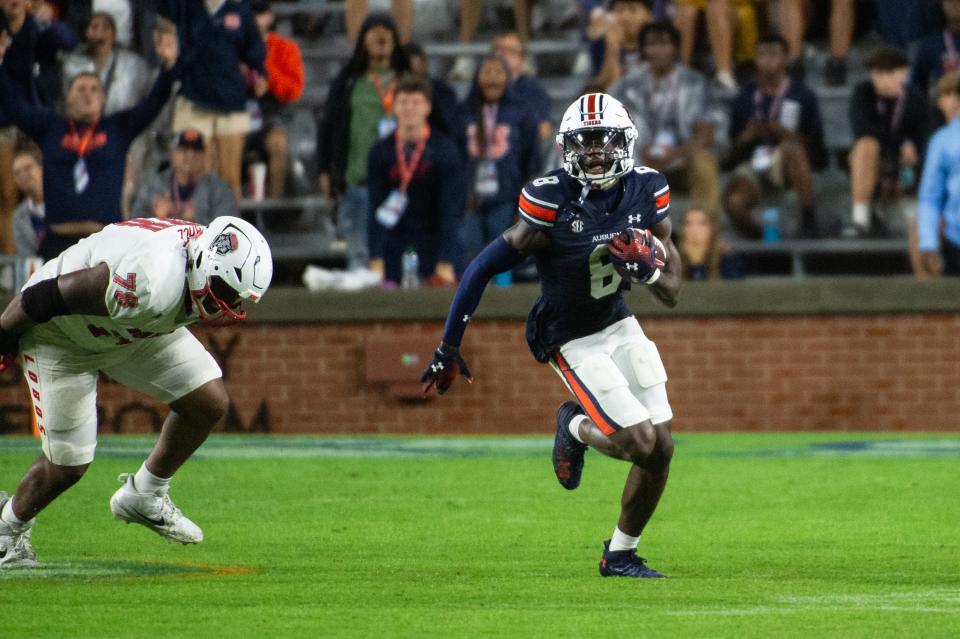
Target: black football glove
446,364
9,343
9,349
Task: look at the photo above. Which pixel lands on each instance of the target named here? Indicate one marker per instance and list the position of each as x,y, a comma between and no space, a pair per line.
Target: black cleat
567,451
625,563
835,72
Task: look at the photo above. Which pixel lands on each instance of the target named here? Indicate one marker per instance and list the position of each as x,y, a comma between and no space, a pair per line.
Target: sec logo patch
577,225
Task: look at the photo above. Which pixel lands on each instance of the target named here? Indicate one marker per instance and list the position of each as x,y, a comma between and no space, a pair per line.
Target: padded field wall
884,371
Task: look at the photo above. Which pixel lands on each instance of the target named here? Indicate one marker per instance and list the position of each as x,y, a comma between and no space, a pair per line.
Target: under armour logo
436,367
466,318
634,219
632,266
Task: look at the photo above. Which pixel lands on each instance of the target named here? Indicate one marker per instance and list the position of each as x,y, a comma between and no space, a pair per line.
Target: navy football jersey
580,290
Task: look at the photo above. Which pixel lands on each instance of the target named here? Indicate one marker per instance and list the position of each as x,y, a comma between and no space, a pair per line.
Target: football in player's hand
637,253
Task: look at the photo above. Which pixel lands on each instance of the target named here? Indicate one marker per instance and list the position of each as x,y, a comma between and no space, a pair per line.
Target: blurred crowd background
385,143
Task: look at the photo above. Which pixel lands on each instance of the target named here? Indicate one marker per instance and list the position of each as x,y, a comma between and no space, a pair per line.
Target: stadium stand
301,224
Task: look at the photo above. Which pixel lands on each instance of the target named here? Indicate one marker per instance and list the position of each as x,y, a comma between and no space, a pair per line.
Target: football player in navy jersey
594,227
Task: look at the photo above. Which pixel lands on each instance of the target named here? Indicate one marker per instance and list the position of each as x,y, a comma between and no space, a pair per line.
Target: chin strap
587,185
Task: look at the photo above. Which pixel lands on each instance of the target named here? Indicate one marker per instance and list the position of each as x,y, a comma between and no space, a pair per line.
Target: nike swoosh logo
155,522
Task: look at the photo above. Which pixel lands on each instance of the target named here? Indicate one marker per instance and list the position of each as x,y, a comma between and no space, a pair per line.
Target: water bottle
410,277
771,225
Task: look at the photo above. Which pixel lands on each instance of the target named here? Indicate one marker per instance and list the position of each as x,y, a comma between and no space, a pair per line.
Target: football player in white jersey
119,302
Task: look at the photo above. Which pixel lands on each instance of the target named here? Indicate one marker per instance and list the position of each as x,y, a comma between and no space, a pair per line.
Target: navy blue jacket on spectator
931,59
445,115
435,202
212,49
105,159
514,146
808,125
528,91
35,45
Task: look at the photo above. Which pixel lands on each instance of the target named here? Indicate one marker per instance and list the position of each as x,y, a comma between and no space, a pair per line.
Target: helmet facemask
597,155
218,303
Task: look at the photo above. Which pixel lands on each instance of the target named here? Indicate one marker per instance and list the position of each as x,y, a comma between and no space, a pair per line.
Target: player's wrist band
43,301
653,278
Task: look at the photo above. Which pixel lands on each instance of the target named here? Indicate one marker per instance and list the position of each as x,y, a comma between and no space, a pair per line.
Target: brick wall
877,372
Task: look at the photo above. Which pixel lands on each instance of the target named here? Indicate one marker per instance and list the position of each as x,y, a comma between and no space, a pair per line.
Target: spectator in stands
84,153
445,113
675,117
524,88
34,38
134,27
939,206
125,77
464,67
504,152
78,14
359,111
29,221
776,140
887,119
938,53
186,190
792,23
841,37
721,23
416,192
282,86
902,22
355,12
616,51
218,40
705,255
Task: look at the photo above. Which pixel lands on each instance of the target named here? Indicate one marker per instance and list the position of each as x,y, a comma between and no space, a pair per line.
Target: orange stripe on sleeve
663,200
537,211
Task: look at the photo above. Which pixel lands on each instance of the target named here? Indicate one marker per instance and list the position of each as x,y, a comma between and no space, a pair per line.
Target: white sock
861,214
146,482
8,516
622,541
574,427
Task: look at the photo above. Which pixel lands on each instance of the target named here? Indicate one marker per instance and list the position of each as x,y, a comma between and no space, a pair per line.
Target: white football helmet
229,263
597,133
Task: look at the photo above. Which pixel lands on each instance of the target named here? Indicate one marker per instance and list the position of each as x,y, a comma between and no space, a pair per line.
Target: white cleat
15,547
153,510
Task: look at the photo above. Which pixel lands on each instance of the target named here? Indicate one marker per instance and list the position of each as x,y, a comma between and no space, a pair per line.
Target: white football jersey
147,294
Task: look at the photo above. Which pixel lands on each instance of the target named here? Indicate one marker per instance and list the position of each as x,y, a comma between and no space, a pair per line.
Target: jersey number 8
604,279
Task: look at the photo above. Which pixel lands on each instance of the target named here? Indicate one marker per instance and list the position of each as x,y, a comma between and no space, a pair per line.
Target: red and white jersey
147,294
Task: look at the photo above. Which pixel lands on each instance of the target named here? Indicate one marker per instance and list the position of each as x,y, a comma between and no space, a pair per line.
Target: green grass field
761,536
